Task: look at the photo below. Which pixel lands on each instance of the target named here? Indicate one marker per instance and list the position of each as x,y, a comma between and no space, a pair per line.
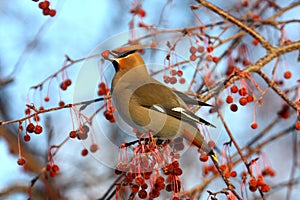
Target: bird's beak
106,55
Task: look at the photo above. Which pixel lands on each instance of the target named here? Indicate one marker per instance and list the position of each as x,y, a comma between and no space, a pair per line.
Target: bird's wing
150,94
182,114
189,100
154,97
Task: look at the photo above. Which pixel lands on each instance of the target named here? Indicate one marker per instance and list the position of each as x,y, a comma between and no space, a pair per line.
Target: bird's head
126,60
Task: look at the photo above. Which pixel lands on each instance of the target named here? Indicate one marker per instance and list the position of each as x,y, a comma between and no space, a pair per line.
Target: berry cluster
209,49
244,99
102,89
52,170
258,183
108,114
65,84
45,6
173,79
149,172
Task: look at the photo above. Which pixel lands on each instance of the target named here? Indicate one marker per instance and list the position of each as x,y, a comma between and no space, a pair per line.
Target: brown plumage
146,104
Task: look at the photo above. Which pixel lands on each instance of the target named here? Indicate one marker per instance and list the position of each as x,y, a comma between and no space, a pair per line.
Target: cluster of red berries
102,89
37,129
65,84
200,49
138,10
52,169
143,171
243,100
258,183
172,171
108,114
173,79
177,144
81,133
227,171
45,6
268,171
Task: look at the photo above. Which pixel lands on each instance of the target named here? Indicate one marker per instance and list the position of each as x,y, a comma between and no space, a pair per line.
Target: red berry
233,174
175,164
26,138
134,188
52,13
72,134
255,42
141,12
48,167
179,73
46,11
243,101
254,125
142,194
27,111
234,89
215,59
255,16
209,49
53,174
243,91
38,129
287,75
211,144
36,118
229,99
193,57
249,98
43,5
193,50
94,148
144,186
253,182
297,125
173,80
68,82
63,86
173,72
252,188
233,107
178,171
139,180
81,135
30,128
265,188
245,3
55,168
61,103
182,80
21,161
84,152
200,48
223,167
203,157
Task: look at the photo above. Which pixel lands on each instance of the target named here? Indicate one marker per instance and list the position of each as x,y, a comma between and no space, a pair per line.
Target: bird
146,104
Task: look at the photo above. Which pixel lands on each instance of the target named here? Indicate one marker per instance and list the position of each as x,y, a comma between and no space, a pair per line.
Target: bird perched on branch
147,105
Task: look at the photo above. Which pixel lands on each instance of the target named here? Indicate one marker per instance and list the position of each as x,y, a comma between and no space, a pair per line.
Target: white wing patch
183,111
159,108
